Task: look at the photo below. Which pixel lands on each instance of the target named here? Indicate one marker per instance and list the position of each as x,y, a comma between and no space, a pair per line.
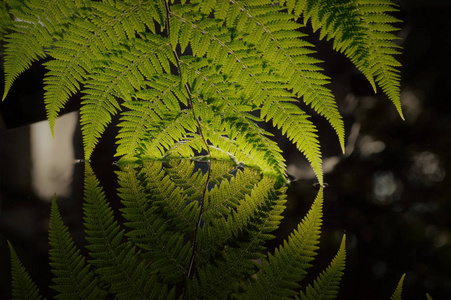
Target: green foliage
189,232
194,79
72,273
398,292
22,285
362,30
199,76
327,284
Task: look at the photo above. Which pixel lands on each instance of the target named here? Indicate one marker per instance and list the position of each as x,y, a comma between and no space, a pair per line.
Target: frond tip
397,295
283,271
72,275
23,286
327,284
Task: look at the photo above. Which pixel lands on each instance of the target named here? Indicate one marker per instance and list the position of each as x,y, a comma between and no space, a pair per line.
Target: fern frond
362,30
383,66
226,214
6,20
274,34
88,38
22,285
184,174
175,127
174,203
145,14
242,139
234,239
73,276
397,294
116,262
153,125
151,229
327,284
282,271
117,76
241,64
226,194
295,124
36,25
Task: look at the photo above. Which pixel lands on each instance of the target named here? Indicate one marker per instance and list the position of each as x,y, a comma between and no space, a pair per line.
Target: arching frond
117,262
22,285
36,25
327,284
397,294
226,59
275,36
283,270
233,234
363,31
73,277
117,76
162,245
87,40
295,124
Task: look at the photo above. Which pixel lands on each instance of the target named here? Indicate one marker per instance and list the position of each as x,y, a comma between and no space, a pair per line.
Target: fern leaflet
72,275
327,283
397,294
23,286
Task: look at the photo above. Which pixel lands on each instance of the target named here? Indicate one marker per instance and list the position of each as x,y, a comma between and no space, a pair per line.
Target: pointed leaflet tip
398,292
343,241
398,108
5,93
52,129
342,145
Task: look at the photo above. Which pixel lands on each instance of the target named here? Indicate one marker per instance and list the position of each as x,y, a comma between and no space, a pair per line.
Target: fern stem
187,87
190,273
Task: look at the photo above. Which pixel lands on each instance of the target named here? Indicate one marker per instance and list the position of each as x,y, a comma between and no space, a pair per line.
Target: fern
199,76
327,284
398,292
116,262
194,79
189,232
36,25
362,30
22,285
72,273
288,265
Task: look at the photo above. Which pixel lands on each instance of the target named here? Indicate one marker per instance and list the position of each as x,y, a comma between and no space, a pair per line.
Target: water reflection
188,229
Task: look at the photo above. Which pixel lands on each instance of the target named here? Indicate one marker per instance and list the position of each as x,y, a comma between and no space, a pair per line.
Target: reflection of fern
23,286
225,223
200,75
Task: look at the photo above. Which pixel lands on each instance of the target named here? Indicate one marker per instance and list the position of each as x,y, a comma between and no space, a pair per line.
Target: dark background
390,193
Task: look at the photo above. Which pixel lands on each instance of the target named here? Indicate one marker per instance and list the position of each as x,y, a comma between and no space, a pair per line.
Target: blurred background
390,193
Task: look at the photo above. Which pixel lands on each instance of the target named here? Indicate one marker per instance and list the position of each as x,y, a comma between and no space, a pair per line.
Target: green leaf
73,277
22,285
283,270
327,284
398,292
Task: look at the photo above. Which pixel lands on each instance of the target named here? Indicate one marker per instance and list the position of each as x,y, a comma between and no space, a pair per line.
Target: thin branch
187,87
